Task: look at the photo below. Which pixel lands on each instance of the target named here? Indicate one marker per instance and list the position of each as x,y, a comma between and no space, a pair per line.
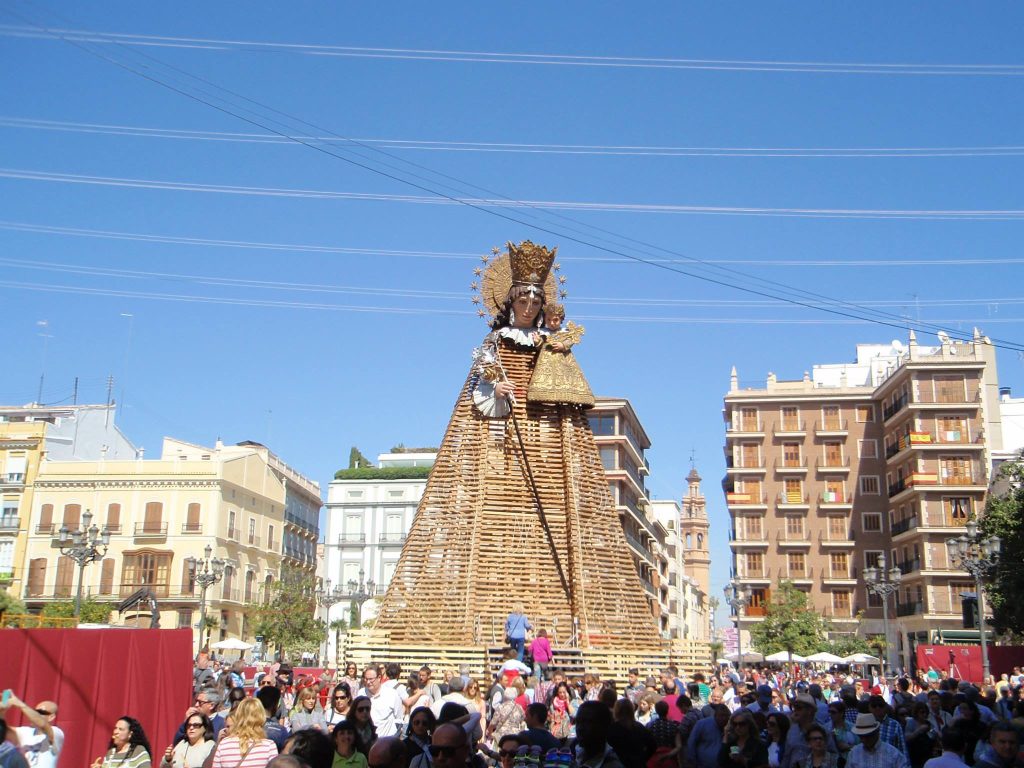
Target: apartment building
160,513
28,434
887,456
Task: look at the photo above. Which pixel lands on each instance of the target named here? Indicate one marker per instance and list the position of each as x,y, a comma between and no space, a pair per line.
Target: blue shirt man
706,738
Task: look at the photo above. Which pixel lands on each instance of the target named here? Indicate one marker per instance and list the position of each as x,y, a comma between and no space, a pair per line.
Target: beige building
160,513
888,455
28,434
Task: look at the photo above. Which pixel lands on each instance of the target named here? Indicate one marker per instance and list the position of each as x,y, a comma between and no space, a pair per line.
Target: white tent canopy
231,644
783,656
862,658
828,658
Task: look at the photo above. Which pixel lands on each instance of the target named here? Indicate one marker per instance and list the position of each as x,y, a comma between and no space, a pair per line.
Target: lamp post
84,545
205,572
737,596
883,583
328,598
978,556
359,592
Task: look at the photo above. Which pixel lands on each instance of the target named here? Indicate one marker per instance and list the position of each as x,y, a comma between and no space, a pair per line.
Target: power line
486,146
838,308
467,256
564,205
503,57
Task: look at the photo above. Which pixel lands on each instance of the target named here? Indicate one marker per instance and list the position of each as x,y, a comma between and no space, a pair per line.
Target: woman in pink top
247,746
540,649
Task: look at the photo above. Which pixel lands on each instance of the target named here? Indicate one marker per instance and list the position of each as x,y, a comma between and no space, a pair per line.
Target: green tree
92,612
356,460
337,627
789,624
1004,517
847,645
288,620
11,606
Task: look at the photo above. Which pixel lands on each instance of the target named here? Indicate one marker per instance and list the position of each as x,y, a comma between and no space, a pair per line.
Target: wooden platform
482,662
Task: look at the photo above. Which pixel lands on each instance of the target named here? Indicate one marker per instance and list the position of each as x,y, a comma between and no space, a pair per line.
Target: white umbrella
231,644
783,656
748,657
824,656
862,658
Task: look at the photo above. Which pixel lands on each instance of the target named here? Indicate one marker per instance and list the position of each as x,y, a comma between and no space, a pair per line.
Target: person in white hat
872,752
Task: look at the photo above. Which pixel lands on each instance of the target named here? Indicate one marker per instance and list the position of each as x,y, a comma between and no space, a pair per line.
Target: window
755,564
950,389
830,417
154,522
146,568
250,584
867,449
16,466
107,576
872,558
193,519
791,454
252,531
36,576
956,509
232,531
837,530
602,423
608,453
794,527
794,490
270,537
72,514
952,429
797,563
114,518
872,522
750,455
833,454
869,485
65,571
841,603
184,618
839,564
790,419
754,528
6,557
865,413
758,604
752,487
188,578
748,420
45,519
955,470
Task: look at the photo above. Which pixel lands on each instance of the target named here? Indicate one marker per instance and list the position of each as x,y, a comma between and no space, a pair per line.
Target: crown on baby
530,263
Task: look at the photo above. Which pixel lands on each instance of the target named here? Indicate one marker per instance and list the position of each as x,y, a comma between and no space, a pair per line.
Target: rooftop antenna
44,324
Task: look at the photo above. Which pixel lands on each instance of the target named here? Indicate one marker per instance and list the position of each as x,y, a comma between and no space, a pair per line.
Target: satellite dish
943,337
897,345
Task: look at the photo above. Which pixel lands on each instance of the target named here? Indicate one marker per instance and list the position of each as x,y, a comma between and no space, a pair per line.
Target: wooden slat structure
482,662
480,544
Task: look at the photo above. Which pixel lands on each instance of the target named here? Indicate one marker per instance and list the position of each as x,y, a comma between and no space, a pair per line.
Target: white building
369,514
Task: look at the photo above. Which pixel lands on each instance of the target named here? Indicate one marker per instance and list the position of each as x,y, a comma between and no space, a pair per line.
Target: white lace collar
520,336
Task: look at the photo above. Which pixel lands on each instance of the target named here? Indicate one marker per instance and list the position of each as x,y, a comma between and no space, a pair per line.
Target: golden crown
530,263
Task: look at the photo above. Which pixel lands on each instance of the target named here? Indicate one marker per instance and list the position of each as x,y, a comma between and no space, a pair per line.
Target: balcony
832,465
831,428
10,524
805,576
904,525
252,540
751,466
234,533
229,595
392,538
742,499
749,539
910,609
649,587
898,405
14,481
839,539
150,529
114,528
835,500
840,613
945,398
744,429
791,467
790,429
191,527
46,529
793,539
351,539
840,577
793,500
909,566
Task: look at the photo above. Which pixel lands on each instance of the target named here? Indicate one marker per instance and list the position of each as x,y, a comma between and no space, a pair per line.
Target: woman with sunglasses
741,744
421,726
366,731
340,705
192,751
820,757
351,677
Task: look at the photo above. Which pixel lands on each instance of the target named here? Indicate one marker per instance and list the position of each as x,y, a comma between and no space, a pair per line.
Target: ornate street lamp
737,597
84,545
205,572
359,592
328,598
883,583
978,556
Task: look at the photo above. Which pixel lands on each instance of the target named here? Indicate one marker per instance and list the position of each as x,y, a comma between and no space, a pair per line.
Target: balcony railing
791,465
745,427
909,609
351,539
151,529
394,537
10,523
831,425
909,566
114,528
947,398
253,540
792,498
905,525
898,405
741,498
191,527
836,537
789,428
46,529
834,497
234,533
826,464
230,595
793,537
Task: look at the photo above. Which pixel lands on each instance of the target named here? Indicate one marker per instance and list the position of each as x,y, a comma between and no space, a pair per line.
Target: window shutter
107,576
192,521
187,585
65,574
114,516
154,517
72,515
37,574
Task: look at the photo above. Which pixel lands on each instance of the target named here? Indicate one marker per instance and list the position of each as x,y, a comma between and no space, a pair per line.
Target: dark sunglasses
44,711
362,709
202,701
194,725
437,749
506,753
341,697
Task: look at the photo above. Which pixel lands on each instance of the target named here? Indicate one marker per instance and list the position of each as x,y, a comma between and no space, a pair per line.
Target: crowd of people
386,717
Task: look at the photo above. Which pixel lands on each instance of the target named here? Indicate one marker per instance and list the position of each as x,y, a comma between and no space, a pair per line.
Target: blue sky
356,327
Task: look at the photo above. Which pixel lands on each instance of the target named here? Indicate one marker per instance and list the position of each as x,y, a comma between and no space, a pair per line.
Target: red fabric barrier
1002,659
98,675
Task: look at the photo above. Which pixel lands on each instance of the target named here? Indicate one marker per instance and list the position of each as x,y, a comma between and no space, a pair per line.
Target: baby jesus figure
557,377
